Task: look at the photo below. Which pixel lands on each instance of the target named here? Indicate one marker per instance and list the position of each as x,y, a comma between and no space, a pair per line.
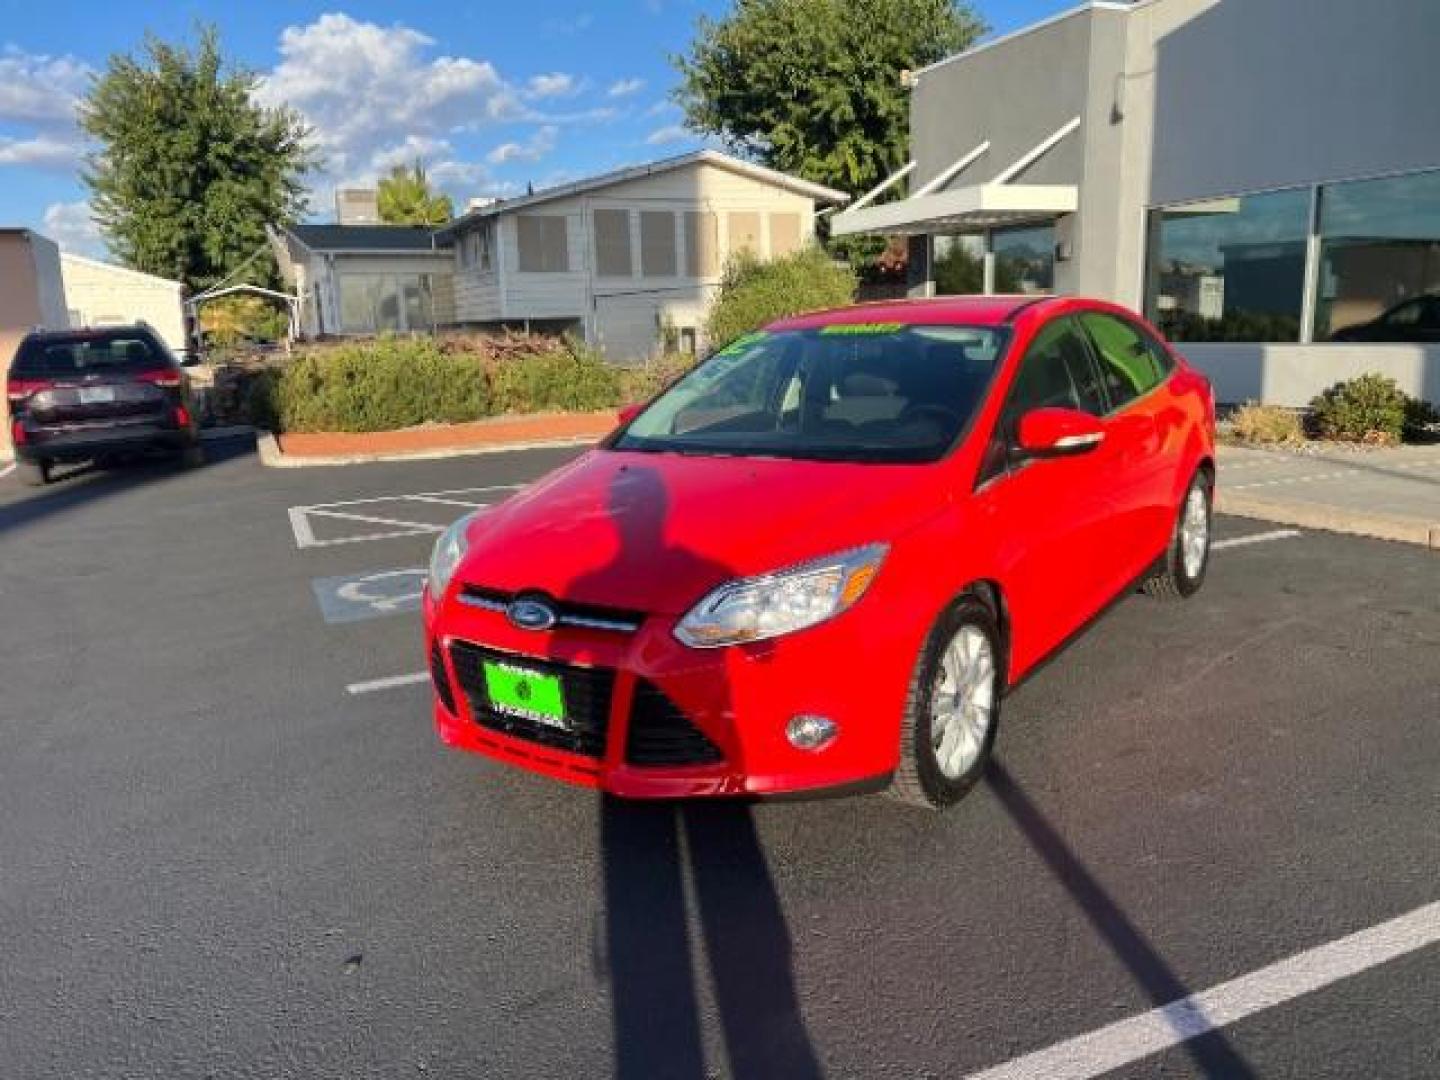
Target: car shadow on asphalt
1211,1052
79,485
647,848
742,930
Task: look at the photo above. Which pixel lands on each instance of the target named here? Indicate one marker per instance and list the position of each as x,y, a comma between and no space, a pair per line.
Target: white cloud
552,85
366,90
43,151
626,87
532,149
72,226
660,108
672,133
40,89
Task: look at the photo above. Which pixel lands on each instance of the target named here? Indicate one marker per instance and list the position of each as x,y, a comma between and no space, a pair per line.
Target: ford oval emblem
530,614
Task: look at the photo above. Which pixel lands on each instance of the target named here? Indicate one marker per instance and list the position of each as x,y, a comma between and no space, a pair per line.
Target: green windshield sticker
846,329
743,342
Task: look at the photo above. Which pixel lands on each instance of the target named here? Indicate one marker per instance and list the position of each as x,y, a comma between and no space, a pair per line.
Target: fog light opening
811,732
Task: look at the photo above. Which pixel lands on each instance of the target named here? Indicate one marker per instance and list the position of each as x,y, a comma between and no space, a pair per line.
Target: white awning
989,205
967,209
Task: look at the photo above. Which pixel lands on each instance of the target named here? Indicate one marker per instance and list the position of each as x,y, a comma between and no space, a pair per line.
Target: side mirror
628,413
1059,433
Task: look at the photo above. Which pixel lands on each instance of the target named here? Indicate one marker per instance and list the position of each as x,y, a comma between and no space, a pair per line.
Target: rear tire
192,456
33,473
953,709
1187,557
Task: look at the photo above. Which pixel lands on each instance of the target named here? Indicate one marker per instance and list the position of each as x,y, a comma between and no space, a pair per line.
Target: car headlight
753,609
449,550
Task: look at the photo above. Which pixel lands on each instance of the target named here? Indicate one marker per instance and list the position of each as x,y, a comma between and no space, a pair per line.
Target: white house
621,258
103,294
366,279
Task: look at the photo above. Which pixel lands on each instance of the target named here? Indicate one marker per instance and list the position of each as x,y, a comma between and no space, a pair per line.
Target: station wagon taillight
18,390
163,378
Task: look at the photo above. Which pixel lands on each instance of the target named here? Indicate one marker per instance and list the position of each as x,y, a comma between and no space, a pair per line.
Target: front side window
1380,244
1229,269
881,392
1127,362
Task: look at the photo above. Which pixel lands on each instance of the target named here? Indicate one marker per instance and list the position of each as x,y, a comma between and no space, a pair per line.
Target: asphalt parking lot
230,844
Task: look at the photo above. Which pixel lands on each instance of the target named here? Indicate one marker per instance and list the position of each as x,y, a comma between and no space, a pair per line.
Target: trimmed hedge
398,382
1368,408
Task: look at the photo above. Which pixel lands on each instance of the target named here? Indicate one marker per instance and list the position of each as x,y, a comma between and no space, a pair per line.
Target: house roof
637,172
366,238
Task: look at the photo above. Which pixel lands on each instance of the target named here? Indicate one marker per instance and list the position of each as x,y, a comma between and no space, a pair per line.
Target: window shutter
657,243
612,243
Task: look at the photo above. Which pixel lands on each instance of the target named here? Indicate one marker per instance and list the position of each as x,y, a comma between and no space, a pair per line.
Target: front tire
33,473
953,708
1187,557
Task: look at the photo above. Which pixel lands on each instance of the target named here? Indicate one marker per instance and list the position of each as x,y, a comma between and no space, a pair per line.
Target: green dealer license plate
530,694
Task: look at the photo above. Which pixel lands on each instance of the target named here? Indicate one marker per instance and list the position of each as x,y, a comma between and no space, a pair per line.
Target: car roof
935,311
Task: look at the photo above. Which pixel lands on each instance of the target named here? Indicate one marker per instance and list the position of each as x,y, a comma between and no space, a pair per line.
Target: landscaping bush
1270,424
398,382
642,382
570,377
1369,408
754,293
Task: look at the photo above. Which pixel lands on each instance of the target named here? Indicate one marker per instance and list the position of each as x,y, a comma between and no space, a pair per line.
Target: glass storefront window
959,268
1229,269
1024,259
1380,246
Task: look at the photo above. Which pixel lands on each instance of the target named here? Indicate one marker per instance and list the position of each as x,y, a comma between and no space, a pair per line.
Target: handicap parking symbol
370,595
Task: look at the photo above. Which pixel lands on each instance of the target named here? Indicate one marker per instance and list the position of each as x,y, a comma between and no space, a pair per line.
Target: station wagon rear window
76,357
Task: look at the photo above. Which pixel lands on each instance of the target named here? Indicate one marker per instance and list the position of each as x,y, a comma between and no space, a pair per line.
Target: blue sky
492,96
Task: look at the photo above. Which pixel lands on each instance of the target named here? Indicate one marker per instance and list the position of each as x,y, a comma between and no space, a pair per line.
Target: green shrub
570,377
754,293
643,381
1369,408
373,386
1269,424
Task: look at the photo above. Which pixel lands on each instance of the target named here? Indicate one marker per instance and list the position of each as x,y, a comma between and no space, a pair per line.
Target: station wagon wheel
1182,568
952,709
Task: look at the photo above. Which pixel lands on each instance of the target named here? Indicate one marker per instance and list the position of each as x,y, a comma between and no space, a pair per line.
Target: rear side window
62,357
1129,365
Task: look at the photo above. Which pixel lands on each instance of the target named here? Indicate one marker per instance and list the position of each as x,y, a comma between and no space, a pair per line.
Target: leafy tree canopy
406,198
190,167
812,87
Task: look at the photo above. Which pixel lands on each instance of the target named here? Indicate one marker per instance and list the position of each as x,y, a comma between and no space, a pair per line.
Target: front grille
568,613
441,680
661,733
586,691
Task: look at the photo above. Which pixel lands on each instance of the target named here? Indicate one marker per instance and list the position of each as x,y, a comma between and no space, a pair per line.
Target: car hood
655,532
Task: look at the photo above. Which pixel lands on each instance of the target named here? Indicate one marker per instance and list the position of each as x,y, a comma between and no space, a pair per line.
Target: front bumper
739,698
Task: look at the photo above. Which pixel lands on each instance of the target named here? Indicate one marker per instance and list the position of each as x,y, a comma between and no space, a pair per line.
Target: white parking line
387,684
302,518
7,470
1127,1041
1255,538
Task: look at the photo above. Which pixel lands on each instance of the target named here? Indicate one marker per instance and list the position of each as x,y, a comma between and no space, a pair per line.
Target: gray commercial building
1254,175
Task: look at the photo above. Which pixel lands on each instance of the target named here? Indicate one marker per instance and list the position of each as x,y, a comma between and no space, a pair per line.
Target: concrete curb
1331,519
271,454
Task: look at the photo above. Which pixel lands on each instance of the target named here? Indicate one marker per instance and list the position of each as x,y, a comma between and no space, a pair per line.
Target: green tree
190,167
812,87
406,198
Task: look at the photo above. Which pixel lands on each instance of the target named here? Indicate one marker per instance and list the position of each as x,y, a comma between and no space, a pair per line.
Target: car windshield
872,392
107,354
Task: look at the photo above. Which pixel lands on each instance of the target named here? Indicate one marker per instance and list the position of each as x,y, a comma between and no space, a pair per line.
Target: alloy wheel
962,702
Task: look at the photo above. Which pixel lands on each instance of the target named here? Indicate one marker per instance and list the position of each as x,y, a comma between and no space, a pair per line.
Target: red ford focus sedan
820,559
